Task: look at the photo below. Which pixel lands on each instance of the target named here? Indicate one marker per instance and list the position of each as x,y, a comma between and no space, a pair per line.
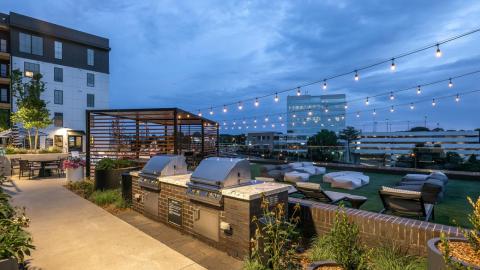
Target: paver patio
73,233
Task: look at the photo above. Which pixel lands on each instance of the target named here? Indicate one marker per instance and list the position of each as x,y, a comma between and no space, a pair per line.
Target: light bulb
438,53
367,101
211,111
412,106
282,124
457,98
358,114
254,126
374,112
240,105
273,125
255,120
450,83
326,109
346,106
280,118
356,76
329,119
244,122
324,84
434,103
393,66
276,97
299,92
310,113
246,127
392,109
294,115
392,97
304,122
224,108
234,123
293,124
266,119
419,90
256,102
200,113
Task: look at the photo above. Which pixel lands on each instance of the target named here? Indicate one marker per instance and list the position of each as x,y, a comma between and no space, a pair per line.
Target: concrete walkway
72,233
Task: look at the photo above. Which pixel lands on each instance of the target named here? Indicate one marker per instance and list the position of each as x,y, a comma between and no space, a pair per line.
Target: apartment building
74,66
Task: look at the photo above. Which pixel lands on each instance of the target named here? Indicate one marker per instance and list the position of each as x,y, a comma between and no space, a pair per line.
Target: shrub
108,197
392,257
276,238
342,244
83,188
110,164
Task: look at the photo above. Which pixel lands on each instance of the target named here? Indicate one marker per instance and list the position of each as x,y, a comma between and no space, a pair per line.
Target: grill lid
165,165
222,172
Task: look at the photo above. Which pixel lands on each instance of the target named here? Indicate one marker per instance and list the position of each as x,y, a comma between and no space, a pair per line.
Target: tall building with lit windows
307,114
74,66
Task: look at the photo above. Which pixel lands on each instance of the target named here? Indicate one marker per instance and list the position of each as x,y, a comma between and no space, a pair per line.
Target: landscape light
393,66
356,76
438,53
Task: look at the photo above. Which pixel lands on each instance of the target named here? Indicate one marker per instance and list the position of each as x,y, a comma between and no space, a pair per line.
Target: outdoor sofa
292,172
432,186
346,179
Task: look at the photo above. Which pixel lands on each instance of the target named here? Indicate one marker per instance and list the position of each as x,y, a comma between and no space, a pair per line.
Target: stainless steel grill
214,174
161,166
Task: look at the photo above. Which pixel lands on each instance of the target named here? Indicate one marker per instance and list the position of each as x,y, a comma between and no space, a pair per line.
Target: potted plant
108,172
74,169
457,252
340,248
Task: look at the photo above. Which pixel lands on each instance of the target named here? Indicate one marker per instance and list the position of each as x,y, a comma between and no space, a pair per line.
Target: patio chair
14,165
27,167
54,166
405,203
315,192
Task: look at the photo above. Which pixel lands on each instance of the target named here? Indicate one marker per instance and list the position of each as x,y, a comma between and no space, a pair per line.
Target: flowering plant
73,163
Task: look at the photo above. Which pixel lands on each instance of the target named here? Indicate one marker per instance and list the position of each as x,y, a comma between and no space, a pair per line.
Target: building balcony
4,81
4,56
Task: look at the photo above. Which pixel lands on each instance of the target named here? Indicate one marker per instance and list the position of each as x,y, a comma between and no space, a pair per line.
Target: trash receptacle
127,187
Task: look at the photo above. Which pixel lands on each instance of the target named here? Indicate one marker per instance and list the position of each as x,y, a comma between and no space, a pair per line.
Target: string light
294,115
254,126
282,124
419,90
256,102
393,66
457,98
324,84
392,97
299,92
276,97
234,123
356,76
434,103
240,105
374,112
273,125
367,102
326,109
225,109
266,118
412,106
200,113
392,109
438,53
244,122
450,83
255,120
280,118
211,111
358,114
346,106
310,113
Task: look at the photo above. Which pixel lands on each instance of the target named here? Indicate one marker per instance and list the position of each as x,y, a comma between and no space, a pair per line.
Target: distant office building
75,69
391,145
262,140
307,115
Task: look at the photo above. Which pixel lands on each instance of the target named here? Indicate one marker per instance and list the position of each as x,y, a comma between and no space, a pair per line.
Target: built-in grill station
214,203
156,167
215,174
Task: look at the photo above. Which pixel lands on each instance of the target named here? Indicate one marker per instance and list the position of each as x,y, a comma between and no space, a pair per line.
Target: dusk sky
197,54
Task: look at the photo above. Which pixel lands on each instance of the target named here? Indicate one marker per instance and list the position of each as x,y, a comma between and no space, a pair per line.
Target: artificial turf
452,210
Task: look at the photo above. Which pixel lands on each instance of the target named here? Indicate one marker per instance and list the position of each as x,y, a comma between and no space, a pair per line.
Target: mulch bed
462,251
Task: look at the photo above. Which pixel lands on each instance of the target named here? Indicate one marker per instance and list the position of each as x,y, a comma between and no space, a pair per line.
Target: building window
58,74
3,45
3,70
90,57
90,100
58,141
90,79
58,50
58,119
4,95
30,44
31,68
58,97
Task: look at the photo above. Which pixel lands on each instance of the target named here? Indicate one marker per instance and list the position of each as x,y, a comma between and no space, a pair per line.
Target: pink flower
73,163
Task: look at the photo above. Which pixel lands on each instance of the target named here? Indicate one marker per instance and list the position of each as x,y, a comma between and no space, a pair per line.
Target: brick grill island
226,225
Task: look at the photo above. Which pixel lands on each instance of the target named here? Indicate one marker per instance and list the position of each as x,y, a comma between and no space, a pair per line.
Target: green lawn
452,210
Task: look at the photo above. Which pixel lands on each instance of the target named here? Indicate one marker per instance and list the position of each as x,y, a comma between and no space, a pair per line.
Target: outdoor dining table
43,172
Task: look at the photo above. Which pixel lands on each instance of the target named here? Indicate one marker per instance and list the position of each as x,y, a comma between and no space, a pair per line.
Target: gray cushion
269,167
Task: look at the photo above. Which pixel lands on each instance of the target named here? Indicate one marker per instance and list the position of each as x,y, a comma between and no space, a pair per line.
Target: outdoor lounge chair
405,203
315,192
28,167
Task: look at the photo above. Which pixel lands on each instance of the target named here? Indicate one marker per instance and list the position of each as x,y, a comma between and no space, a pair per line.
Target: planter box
110,179
9,264
435,257
75,175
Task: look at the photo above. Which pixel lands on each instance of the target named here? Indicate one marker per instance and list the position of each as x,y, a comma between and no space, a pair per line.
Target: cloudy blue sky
195,54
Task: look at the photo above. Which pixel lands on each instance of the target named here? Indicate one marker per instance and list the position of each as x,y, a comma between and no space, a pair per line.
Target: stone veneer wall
412,235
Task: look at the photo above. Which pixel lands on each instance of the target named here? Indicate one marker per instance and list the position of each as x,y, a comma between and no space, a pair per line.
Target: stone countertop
177,180
255,191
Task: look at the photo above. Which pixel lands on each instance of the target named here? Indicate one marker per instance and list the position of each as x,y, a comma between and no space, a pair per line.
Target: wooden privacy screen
142,133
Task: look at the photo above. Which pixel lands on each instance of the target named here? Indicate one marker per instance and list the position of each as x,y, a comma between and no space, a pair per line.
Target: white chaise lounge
346,179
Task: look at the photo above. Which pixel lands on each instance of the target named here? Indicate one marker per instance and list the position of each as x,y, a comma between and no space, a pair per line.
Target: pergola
141,133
